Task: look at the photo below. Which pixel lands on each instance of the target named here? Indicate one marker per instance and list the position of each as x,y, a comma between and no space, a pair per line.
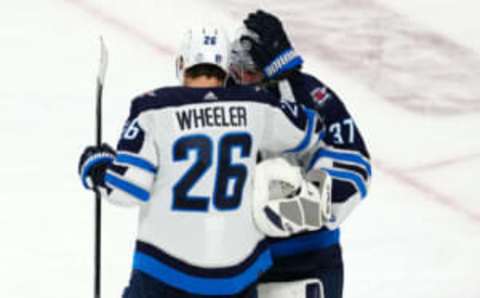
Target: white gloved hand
284,203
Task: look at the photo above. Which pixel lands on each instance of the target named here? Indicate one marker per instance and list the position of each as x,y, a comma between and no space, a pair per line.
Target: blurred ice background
407,70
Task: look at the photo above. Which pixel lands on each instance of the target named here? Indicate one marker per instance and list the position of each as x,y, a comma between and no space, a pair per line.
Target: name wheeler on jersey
186,156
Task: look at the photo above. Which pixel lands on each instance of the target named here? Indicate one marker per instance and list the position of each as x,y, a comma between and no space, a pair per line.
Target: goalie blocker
286,203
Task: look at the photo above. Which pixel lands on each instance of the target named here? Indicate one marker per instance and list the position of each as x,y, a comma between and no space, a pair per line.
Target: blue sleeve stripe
136,161
306,243
308,135
290,65
202,285
88,166
286,60
341,156
351,177
321,135
130,188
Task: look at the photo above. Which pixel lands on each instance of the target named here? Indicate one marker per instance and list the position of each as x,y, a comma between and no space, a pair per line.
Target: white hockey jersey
186,156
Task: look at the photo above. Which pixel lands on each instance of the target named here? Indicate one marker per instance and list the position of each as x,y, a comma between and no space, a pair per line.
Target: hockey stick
98,203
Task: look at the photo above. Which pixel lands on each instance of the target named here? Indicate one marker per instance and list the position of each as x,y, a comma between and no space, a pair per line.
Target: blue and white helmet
203,45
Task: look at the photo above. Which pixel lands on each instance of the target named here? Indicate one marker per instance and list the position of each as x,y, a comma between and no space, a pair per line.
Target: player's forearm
350,172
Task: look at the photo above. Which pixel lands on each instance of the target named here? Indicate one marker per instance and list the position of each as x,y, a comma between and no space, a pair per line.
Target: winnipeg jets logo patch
210,96
320,95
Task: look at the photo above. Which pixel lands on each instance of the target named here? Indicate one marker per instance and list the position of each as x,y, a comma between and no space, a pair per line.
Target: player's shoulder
250,93
157,99
160,96
313,91
167,97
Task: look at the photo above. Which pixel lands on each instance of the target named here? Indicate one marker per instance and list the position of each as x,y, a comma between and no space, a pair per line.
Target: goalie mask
242,68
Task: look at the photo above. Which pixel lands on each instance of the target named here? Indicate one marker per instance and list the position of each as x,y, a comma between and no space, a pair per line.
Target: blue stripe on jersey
341,156
308,135
278,65
305,243
202,285
353,177
290,65
130,188
321,135
136,161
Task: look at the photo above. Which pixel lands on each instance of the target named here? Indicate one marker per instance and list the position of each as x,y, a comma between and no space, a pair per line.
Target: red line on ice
444,163
428,191
122,26
405,63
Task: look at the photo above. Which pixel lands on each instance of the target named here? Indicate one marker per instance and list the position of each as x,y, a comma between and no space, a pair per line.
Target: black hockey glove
93,165
271,51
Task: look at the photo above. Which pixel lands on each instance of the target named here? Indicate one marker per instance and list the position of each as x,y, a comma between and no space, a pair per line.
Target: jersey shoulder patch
320,95
318,92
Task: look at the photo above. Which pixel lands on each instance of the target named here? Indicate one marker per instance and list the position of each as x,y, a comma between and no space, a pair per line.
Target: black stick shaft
98,201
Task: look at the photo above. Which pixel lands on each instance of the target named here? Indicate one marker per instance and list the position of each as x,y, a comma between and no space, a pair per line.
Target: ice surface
408,71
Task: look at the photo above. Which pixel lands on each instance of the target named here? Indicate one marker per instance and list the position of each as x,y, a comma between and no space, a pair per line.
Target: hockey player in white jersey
186,158
308,265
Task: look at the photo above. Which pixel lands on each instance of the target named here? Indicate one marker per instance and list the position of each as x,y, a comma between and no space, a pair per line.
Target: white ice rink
409,71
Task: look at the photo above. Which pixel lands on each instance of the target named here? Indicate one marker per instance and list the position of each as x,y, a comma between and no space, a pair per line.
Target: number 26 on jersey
227,173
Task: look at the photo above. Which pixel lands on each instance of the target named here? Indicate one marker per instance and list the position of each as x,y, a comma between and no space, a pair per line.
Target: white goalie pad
285,203
307,288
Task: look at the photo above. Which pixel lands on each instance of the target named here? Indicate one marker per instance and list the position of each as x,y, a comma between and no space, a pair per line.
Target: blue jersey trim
127,187
202,285
305,243
350,176
321,135
137,162
290,65
284,61
342,156
308,135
